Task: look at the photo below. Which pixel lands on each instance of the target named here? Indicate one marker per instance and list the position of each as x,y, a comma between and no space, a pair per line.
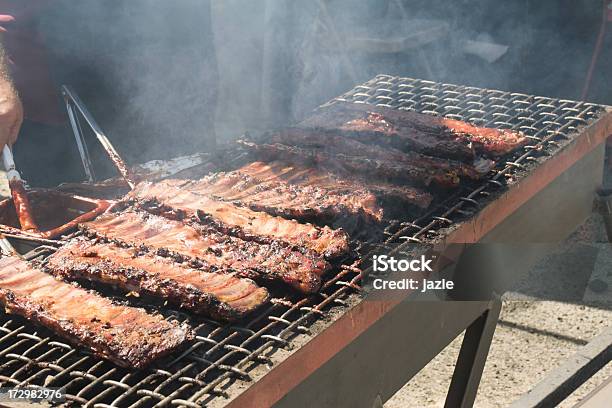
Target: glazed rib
310,194
128,336
334,144
302,270
240,222
411,131
414,172
217,295
22,206
335,183
308,204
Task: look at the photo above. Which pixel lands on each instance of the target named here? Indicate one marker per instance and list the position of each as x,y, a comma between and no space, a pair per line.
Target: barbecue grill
343,347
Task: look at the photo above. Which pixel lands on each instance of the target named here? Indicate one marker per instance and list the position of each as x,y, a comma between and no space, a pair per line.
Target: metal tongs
18,192
74,104
6,249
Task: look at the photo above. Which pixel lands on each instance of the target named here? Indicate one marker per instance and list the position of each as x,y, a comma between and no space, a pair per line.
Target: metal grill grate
222,355
547,122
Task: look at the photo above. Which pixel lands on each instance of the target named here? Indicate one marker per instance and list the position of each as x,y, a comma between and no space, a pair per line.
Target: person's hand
11,114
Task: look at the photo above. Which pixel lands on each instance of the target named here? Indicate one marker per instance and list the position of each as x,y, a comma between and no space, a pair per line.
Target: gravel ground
521,354
543,321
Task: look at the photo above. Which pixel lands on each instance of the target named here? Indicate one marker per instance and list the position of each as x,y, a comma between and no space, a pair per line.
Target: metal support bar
391,351
565,379
472,358
599,397
604,206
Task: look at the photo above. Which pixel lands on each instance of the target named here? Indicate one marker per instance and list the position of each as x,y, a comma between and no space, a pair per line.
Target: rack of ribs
405,171
165,198
279,198
412,131
299,269
220,296
334,182
128,336
305,193
334,144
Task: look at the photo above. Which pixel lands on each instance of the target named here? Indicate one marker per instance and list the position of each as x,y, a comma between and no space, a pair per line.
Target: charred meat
279,198
412,131
244,223
301,270
217,295
128,336
333,144
336,183
406,171
297,191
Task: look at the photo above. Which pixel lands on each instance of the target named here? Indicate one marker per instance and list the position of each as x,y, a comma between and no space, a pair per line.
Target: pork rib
412,131
310,194
302,270
334,144
412,171
308,204
335,183
128,336
219,296
243,223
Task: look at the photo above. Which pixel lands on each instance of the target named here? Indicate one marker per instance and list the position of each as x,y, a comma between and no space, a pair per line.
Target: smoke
167,78
146,70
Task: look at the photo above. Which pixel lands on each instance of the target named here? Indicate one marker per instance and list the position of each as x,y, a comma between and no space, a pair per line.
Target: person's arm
11,110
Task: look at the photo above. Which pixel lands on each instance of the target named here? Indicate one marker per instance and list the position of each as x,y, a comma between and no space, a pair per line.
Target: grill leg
604,204
472,358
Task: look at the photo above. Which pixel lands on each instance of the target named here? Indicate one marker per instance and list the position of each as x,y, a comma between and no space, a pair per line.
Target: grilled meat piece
22,206
308,204
407,170
220,296
302,270
279,198
412,131
335,183
164,197
334,144
311,194
128,336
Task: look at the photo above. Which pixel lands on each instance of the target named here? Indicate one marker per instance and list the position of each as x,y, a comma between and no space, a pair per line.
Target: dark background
550,46
169,78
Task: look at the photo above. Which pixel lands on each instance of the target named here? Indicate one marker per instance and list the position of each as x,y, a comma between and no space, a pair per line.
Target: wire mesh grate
546,122
219,355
